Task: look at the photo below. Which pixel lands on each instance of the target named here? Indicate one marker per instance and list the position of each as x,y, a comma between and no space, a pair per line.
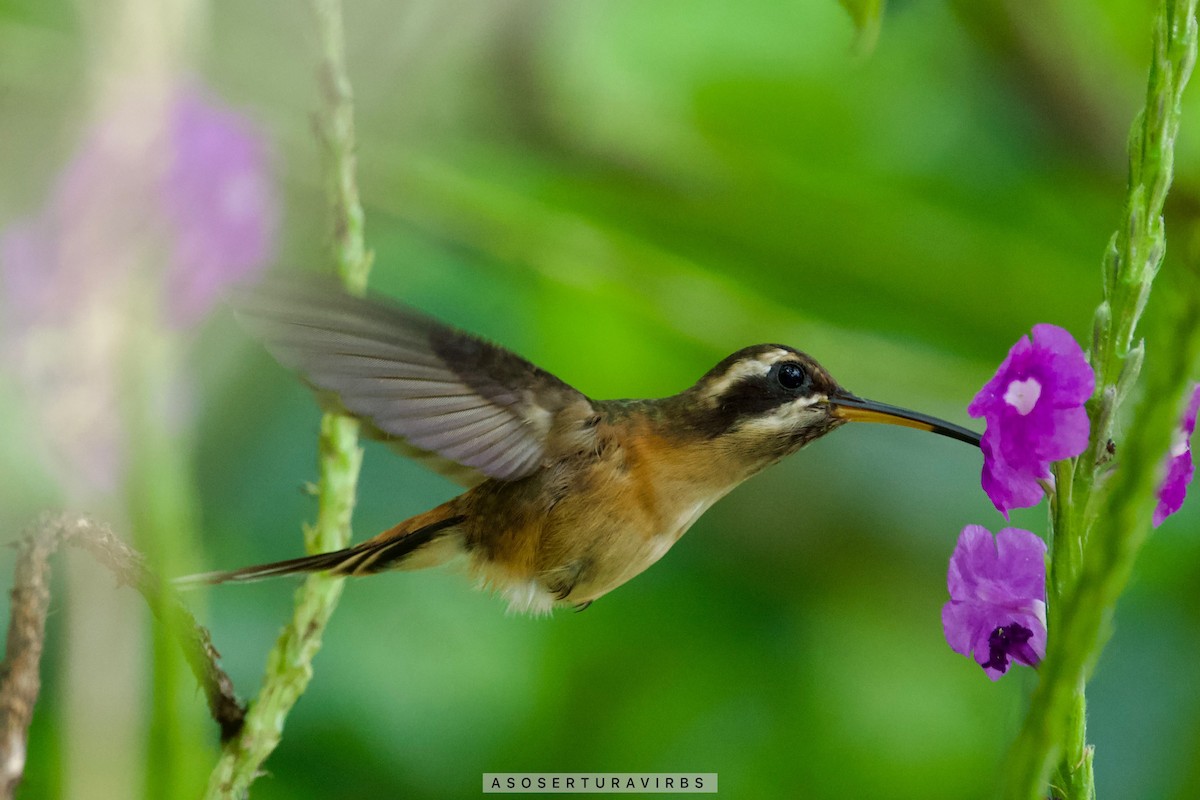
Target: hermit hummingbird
567,497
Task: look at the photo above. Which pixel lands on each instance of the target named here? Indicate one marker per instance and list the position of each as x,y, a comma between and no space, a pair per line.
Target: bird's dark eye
791,376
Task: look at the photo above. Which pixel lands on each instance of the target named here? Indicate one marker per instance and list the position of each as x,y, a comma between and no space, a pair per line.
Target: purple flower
997,608
80,245
64,274
190,179
23,257
1180,469
1035,415
212,203
219,202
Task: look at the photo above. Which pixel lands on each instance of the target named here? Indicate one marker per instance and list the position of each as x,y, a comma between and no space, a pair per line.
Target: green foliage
868,19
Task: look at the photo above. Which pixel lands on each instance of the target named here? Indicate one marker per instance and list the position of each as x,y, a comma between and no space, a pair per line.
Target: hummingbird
566,497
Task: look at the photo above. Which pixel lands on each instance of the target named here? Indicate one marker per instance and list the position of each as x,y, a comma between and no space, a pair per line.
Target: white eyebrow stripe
747,368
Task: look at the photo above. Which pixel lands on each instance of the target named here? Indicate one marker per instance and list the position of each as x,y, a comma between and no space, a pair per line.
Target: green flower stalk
289,664
1101,515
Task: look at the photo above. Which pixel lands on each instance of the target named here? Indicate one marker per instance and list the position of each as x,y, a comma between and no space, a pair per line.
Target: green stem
1074,775
1091,554
1136,249
162,511
289,665
336,132
1118,535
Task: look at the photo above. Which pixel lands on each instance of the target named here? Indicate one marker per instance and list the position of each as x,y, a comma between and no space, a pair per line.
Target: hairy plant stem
289,664
1098,529
20,681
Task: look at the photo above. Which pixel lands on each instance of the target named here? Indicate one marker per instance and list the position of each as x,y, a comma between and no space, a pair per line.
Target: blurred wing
439,391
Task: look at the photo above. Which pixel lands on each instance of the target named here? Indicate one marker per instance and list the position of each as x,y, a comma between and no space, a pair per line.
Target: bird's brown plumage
569,497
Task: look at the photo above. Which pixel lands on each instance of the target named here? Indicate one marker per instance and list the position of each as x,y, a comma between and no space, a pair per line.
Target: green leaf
867,16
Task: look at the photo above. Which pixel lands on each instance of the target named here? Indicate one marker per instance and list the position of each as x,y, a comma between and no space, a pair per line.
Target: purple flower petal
82,242
197,184
1073,377
997,609
974,548
25,256
1034,408
1006,485
1180,469
220,202
1020,563
967,626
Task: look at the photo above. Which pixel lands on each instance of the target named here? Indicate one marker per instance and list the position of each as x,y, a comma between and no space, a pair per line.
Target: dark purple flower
1035,415
1180,469
997,608
219,201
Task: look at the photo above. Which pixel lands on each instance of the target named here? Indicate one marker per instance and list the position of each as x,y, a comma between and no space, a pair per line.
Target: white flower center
1023,395
1179,443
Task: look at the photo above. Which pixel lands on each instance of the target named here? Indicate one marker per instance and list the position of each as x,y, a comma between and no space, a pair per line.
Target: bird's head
769,400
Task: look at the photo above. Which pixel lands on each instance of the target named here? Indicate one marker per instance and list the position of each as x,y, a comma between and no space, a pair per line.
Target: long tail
386,551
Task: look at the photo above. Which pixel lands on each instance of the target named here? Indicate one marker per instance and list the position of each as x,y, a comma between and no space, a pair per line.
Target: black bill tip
855,409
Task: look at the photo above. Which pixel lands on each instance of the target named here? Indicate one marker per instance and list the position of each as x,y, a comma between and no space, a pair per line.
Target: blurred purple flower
1034,407
193,178
219,202
1180,469
79,245
213,202
997,608
23,252
63,270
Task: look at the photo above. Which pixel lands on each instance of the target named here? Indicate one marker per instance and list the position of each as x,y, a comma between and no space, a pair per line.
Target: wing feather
426,387
507,454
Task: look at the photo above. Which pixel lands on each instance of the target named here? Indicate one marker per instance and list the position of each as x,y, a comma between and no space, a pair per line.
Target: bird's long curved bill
856,409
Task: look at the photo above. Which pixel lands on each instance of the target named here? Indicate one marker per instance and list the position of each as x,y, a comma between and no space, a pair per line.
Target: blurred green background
624,192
